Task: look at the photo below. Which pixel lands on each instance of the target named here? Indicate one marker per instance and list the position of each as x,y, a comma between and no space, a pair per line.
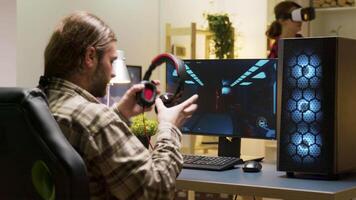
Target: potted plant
143,128
223,35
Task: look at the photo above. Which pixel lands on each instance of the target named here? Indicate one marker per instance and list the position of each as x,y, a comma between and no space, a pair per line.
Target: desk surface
267,183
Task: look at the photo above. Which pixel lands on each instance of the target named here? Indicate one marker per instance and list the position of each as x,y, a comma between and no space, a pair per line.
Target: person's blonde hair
66,49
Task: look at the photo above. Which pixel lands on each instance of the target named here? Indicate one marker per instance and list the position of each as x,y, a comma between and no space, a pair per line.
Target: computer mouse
252,166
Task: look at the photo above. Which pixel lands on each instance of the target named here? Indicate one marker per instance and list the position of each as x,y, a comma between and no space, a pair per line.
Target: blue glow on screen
236,97
225,90
260,75
260,63
246,83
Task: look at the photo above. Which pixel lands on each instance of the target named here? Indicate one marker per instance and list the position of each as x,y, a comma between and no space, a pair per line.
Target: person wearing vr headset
78,67
289,17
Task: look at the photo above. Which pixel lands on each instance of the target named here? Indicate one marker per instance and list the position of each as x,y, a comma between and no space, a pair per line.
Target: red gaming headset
147,96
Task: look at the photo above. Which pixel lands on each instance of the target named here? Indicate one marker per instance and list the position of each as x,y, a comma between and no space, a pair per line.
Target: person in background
78,67
283,26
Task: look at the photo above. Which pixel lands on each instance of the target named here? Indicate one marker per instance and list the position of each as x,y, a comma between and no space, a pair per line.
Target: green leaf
223,34
137,126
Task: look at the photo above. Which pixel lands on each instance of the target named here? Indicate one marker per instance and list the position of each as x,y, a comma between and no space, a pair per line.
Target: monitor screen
118,90
237,97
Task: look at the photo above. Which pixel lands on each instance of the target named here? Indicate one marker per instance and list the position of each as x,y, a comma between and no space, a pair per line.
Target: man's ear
90,58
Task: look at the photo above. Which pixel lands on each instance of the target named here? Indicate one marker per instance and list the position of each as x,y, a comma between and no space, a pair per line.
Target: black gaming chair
36,160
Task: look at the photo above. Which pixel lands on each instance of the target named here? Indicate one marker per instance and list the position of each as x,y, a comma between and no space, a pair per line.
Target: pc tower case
316,106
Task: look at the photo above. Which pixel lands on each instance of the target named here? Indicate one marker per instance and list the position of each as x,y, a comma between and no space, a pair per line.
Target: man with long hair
78,67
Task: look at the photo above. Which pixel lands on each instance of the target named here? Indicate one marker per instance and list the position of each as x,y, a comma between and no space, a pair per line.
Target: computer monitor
118,90
237,97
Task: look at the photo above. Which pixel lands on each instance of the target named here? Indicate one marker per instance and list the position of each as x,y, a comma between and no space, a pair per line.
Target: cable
144,128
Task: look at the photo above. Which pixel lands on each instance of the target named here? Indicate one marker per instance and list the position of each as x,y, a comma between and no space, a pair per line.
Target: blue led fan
303,107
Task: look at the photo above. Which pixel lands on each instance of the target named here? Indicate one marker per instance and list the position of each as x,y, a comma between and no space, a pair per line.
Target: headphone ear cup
168,99
147,96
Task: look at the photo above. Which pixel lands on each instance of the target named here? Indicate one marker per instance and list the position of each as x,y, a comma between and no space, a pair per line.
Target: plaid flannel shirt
119,166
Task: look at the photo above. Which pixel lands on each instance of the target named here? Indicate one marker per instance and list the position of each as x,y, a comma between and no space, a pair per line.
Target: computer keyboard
217,163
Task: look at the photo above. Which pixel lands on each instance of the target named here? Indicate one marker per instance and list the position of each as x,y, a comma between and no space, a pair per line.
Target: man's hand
128,105
176,114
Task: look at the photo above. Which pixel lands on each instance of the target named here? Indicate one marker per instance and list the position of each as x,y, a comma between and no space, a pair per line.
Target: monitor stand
229,147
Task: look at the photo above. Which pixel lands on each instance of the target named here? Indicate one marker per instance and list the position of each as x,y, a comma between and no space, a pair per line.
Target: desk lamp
120,71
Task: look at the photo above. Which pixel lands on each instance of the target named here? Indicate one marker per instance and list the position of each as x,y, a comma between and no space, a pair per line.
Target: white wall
7,43
135,23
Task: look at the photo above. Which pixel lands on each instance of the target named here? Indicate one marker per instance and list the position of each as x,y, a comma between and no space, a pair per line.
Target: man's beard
99,82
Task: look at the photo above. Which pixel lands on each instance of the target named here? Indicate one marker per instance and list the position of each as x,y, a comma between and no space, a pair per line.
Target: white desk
267,183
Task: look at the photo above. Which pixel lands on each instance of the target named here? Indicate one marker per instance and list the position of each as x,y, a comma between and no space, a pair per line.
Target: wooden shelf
332,9
192,32
271,145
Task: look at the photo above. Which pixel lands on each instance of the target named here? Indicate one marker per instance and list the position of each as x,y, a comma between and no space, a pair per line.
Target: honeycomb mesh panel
307,107
303,107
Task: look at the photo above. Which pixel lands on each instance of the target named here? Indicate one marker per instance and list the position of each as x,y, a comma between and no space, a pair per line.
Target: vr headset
300,14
